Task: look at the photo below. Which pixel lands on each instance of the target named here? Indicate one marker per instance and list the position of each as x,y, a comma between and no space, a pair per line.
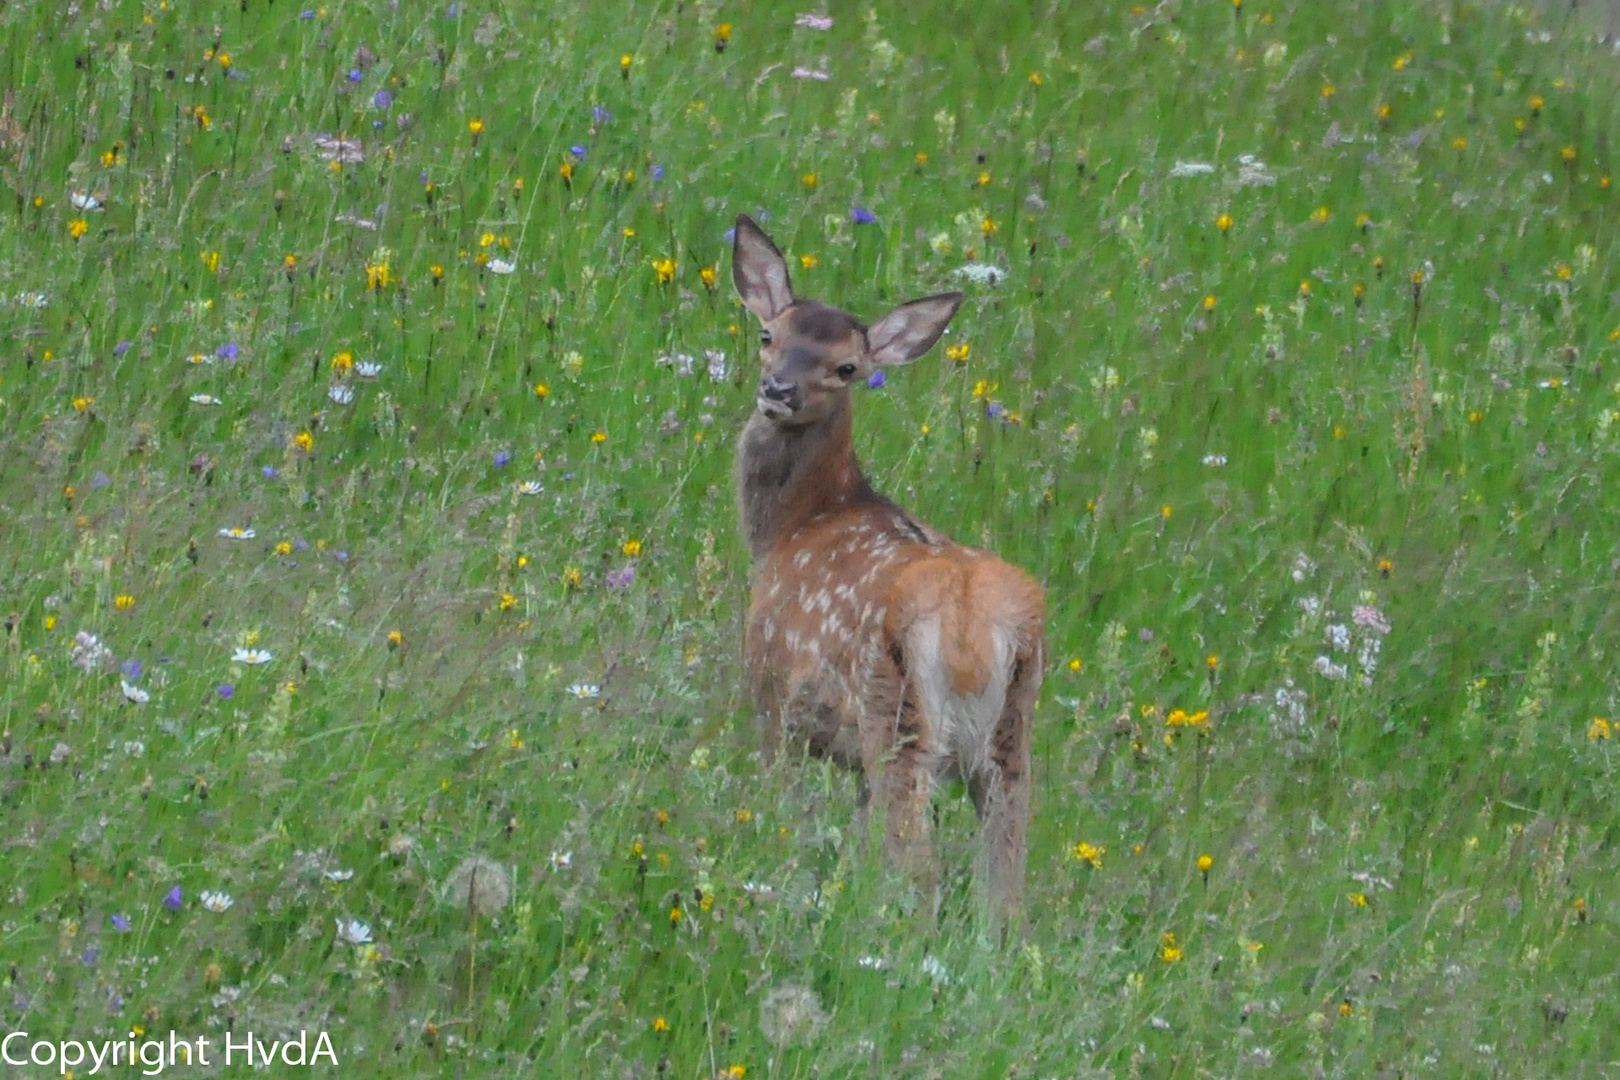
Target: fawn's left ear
911,329
759,271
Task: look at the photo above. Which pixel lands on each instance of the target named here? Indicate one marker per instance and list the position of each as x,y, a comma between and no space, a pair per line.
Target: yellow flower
1328,90
486,239
983,180
1536,104
808,179
1034,78
662,817
343,363
1402,61
438,273
1565,272
1164,511
920,159
809,262
210,259
200,114
1568,153
736,1072
514,740
123,601
708,275
476,127
1459,143
744,816
517,185
1358,899
675,916
983,389
304,441
50,622
665,269
1305,289
224,59
541,391
78,227
572,578
1075,665
1383,111
1320,214
507,602
395,639
660,1025
1209,302
1169,950
631,547
599,436
1223,222
1212,661
958,352
1205,863
1604,182
1386,567
722,32
1088,854
82,404
284,548
989,227
1600,729
624,65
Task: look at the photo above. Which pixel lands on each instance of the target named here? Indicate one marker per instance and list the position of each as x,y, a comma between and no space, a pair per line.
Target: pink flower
810,73
814,22
1371,618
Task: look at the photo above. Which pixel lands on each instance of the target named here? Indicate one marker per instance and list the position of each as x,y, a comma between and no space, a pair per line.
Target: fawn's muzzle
776,397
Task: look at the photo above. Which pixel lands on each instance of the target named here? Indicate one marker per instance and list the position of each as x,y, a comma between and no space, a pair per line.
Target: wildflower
200,114
808,179
631,547
1305,290
123,601
598,437
876,380
133,694
78,227
1401,62
983,180
1568,153
479,884
542,391
585,691
1088,854
862,216
353,931
217,902
82,404
83,200
304,441
174,899
1358,899
476,127
1205,863
572,578
1075,665
529,487
438,273
1385,567
1209,302
722,37
562,860
1169,950
1328,90
395,639
624,65
920,159
1320,214
502,459
121,922
660,1025
1600,729
237,533
502,267
675,917
578,151
791,1014
708,276
507,602
252,656
1035,78
1460,143
1223,222
621,578
665,270
377,276
1536,104
983,389
1164,512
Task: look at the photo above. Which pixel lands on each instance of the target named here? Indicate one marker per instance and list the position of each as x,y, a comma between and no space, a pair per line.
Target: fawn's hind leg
1000,790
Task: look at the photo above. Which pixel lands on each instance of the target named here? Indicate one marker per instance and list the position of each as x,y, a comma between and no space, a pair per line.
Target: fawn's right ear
759,271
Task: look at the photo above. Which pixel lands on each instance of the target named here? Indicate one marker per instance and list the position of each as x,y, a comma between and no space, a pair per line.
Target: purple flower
355,75
731,235
1370,618
228,351
132,669
657,172
99,480
622,578
877,380
120,922
174,899
382,99
90,956
862,216
308,14
225,691
376,125
121,348
600,115
577,150
503,458
270,472
996,410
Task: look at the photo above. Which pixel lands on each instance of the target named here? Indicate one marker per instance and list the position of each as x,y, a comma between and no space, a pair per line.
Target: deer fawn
872,638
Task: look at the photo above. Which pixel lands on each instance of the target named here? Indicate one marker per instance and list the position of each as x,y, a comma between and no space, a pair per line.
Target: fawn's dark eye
846,371
764,337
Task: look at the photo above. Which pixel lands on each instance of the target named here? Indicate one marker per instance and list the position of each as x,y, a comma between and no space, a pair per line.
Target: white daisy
217,901
530,487
133,694
237,534
252,656
368,369
501,266
981,273
205,399
342,393
585,690
1215,461
83,200
353,931
562,860
338,875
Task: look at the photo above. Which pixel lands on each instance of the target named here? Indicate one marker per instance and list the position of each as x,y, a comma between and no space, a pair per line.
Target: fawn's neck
788,475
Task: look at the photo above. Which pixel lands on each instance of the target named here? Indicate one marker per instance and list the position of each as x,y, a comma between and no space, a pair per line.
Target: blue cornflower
121,348
270,471
132,669
228,351
120,922
503,458
577,150
861,216
355,75
382,99
877,379
175,899
657,172
225,691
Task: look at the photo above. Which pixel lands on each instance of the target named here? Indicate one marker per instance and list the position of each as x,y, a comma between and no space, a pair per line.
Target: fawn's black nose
782,391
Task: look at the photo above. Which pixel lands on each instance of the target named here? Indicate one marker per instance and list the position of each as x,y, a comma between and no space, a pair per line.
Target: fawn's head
812,352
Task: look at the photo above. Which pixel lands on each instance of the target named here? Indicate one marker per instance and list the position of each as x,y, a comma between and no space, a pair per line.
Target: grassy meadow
369,376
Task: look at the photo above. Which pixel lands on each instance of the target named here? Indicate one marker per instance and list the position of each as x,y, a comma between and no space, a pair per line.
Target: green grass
1449,463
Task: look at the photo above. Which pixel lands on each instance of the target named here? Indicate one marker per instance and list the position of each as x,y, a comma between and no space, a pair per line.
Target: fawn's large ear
911,329
759,271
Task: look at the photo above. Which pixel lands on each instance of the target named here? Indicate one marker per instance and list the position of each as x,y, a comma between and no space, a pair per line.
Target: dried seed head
791,1014
479,883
